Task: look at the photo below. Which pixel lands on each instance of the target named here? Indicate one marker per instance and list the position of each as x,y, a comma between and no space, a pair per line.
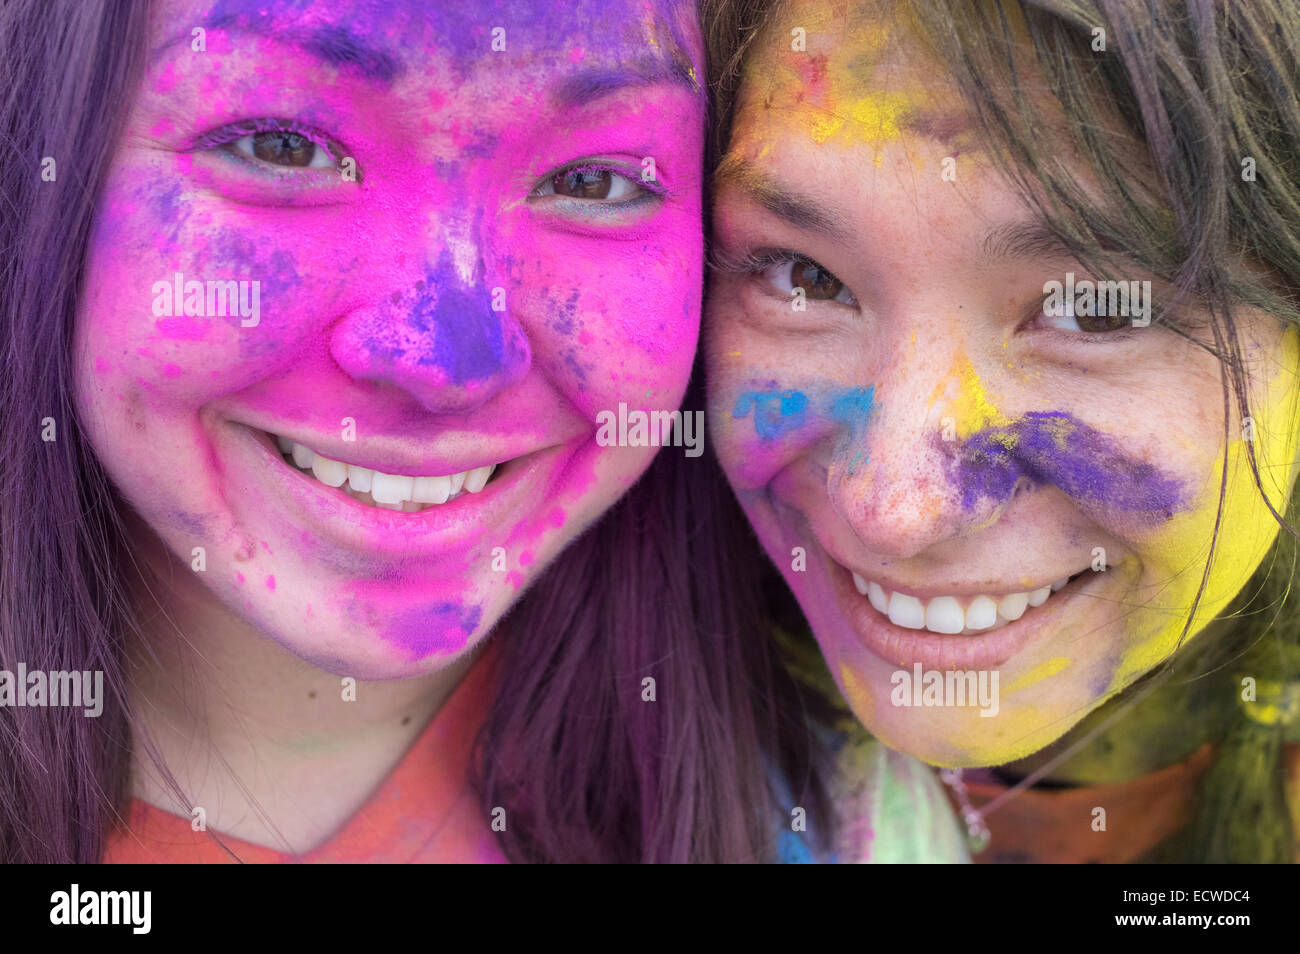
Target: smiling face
456,233
948,471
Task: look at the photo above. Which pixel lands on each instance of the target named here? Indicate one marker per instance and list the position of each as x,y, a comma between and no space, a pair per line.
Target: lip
434,467
897,645
253,464
994,590
493,450
964,588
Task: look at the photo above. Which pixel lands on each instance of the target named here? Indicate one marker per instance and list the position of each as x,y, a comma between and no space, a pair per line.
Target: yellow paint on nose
973,409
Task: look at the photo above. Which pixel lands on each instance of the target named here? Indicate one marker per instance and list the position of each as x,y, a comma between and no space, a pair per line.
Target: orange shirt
1055,825
424,812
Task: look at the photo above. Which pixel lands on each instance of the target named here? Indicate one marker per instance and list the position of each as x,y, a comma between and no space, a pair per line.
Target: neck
263,741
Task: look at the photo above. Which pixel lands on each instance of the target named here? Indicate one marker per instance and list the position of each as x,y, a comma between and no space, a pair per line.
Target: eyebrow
338,46
1025,240
330,44
582,87
802,211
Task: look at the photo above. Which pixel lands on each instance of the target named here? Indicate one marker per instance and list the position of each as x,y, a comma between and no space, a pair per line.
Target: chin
962,739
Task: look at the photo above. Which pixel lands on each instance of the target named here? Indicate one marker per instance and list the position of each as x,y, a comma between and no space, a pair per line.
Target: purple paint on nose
468,340
1055,448
442,323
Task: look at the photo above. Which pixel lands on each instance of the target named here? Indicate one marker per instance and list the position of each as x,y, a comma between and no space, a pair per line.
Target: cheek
760,426
614,320
163,268
1174,557
732,383
764,424
1173,564
771,400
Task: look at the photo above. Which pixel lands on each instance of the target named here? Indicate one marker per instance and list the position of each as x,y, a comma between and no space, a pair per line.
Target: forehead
389,39
840,74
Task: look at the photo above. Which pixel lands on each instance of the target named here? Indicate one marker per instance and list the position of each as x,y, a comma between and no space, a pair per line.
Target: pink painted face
364,276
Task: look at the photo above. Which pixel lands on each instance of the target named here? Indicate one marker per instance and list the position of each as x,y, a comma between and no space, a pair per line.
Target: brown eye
1090,308
283,148
584,183
1101,323
793,275
818,284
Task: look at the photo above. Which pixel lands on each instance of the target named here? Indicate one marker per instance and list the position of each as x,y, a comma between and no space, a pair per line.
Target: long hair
599,621
587,770
1206,84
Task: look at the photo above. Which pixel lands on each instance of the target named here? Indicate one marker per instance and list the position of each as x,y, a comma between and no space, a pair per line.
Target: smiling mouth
405,493
956,615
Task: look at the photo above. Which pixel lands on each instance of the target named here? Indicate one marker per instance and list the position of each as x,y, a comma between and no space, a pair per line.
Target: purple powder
1055,448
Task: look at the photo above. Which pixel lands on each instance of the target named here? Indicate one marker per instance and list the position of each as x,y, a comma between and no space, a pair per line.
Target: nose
449,340
902,480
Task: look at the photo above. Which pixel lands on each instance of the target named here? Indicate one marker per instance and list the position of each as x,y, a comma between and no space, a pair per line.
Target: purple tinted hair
586,769
677,779
63,602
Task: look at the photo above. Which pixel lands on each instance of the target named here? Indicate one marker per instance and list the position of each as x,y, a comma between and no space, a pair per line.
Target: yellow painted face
1248,527
1006,450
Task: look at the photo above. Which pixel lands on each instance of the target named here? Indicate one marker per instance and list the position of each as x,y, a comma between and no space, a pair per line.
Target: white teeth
1013,606
391,488
906,611
944,614
331,473
359,478
477,478
433,490
982,613
389,491
878,597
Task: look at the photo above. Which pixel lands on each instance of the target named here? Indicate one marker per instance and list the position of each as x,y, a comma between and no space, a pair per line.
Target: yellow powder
973,409
1039,673
878,116
856,693
1247,530
824,127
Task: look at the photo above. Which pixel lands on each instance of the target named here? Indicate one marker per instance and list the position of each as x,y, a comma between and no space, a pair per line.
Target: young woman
1003,361
311,312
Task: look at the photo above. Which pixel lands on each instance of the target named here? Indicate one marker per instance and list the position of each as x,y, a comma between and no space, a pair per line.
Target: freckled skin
946,338
377,301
